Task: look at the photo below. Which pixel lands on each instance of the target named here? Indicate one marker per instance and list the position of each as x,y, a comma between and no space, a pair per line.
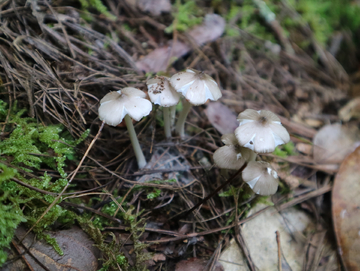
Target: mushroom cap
117,104
197,87
161,92
232,156
260,131
261,177
228,157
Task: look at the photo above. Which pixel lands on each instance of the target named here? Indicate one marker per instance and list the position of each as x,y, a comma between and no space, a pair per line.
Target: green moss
112,257
30,146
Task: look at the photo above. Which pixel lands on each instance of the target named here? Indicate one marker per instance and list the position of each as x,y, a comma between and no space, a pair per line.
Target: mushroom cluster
258,132
196,86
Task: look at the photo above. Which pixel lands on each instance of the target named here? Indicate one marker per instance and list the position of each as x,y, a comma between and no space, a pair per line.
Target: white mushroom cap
260,131
116,104
232,156
228,157
261,177
197,87
161,92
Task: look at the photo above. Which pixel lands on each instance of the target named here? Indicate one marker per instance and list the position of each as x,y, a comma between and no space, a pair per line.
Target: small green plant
99,6
186,16
113,257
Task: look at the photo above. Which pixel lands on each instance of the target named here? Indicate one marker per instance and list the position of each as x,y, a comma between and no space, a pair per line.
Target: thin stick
279,250
69,182
181,215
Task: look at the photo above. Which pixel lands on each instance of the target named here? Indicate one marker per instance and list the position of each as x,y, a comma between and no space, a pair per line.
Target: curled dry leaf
346,211
79,252
158,60
333,142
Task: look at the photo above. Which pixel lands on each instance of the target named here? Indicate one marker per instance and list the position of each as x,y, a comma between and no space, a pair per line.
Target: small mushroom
261,177
197,87
161,92
232,156
126,103
260,131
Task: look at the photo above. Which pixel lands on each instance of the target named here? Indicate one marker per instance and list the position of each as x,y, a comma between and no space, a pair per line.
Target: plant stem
172,116
167,127
135,142
180,124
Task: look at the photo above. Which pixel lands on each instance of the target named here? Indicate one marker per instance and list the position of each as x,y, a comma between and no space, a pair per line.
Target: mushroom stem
172,115
167,128
135,142
180,124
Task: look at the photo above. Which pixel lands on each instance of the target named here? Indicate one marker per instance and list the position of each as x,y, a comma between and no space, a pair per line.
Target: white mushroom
161,92
126,103
260,131
232,156
261,177
197,87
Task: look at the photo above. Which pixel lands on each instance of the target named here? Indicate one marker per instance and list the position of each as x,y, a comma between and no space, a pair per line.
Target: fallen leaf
333,142
79,252
304,148
346,210
259,235
159,257
221,117
212,28
350,110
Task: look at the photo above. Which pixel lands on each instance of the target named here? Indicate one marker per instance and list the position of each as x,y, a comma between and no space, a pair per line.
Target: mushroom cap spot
116,104
227,157
197,87
260,131
161,92
261,177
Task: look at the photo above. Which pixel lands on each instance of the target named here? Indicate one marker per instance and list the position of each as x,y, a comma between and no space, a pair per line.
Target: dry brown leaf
333,142
158,60
79,252
304,148
159,257
346,210
221,117
350,110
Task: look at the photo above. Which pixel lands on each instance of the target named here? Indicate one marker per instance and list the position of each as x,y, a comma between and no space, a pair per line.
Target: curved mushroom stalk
180,124
135,143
